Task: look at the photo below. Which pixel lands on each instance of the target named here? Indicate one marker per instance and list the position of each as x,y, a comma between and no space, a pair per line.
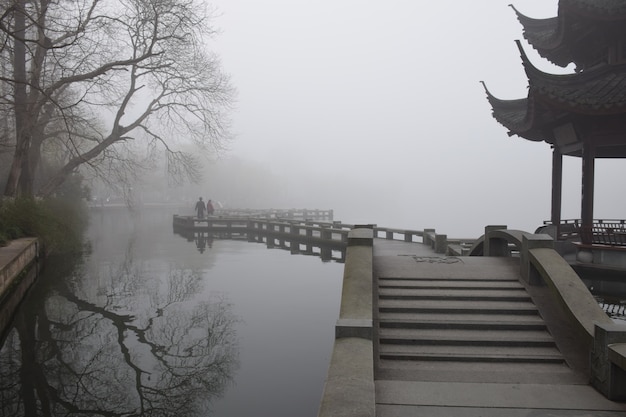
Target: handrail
544,264
312,214
572,293
541,264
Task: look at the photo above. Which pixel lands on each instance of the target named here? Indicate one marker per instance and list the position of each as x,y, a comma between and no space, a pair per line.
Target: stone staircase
457,327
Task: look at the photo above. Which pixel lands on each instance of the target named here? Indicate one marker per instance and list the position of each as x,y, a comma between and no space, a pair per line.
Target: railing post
309,237
495,246
326,252
229,227
441,243
426,239
251,235
355,316
294,243
606,377
281,235
261,231
270,238
326,233
527,271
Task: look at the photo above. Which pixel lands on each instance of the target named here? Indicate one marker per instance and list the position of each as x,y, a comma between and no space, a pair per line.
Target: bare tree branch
137,65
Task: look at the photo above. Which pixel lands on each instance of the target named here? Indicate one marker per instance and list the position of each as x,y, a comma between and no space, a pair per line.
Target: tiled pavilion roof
591,102
602,91
563,39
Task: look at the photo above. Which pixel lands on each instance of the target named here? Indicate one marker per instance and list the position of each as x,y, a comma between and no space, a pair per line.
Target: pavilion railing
602,232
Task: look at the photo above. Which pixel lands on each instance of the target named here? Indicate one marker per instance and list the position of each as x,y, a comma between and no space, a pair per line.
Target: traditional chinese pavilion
580,114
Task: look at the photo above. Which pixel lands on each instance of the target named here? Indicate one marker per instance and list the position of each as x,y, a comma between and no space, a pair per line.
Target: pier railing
305,236
310,237
297,214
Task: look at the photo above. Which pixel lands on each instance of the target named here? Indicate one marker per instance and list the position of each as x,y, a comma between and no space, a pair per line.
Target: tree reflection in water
135,346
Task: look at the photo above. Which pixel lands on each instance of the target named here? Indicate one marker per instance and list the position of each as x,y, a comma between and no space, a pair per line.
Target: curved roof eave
516,115
599,91
546,37
542,34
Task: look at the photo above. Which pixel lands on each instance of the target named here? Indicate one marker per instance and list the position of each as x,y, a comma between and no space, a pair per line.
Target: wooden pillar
557,186
586,213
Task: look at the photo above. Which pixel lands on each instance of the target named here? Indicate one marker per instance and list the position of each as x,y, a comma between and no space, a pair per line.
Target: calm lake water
145,324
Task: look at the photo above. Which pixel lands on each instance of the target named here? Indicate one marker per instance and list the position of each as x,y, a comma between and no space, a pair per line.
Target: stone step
437,319
486,322
456,337
535,373
447,283
456,307
453,294
455,353
467,399
460,276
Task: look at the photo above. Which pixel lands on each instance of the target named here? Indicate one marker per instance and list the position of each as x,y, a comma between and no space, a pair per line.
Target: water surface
145,324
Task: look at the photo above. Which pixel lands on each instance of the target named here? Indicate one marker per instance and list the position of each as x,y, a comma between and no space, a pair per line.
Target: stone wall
18,270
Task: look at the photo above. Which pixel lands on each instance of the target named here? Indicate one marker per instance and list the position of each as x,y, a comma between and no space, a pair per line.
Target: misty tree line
99,87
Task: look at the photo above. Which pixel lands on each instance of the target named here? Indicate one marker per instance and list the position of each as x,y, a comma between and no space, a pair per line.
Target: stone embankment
18,270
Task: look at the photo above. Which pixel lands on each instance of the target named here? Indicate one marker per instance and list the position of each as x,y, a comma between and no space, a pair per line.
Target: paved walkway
461,336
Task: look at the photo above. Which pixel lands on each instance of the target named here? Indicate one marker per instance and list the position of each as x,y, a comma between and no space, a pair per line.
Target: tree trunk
22,134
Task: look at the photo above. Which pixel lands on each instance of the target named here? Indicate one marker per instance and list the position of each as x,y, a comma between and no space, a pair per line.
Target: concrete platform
417,398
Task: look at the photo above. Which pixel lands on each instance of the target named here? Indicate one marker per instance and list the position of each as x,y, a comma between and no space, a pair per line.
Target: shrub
58,223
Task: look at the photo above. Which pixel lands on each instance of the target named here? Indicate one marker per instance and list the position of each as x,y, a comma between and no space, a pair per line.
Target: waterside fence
304,232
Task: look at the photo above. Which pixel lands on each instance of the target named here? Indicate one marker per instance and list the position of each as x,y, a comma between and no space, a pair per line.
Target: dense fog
375,109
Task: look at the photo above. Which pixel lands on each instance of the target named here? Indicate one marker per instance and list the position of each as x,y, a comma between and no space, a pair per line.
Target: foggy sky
375,109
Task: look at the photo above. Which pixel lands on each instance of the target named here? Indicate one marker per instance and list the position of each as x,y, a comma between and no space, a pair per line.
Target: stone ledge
617,354
361,237
349,390
14,258
361,328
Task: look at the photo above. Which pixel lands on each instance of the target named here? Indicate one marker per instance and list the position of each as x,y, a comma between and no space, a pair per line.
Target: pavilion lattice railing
602,232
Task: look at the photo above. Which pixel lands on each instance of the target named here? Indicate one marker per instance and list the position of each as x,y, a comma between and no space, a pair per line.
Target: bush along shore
58,223
29,230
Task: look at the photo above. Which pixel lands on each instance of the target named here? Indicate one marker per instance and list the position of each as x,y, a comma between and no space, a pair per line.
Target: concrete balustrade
349,388
608,360
540,264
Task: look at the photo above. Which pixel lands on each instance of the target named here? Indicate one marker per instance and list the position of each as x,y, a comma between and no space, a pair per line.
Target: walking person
209,208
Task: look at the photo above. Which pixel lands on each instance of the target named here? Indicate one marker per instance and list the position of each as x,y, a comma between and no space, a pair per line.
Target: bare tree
88,75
